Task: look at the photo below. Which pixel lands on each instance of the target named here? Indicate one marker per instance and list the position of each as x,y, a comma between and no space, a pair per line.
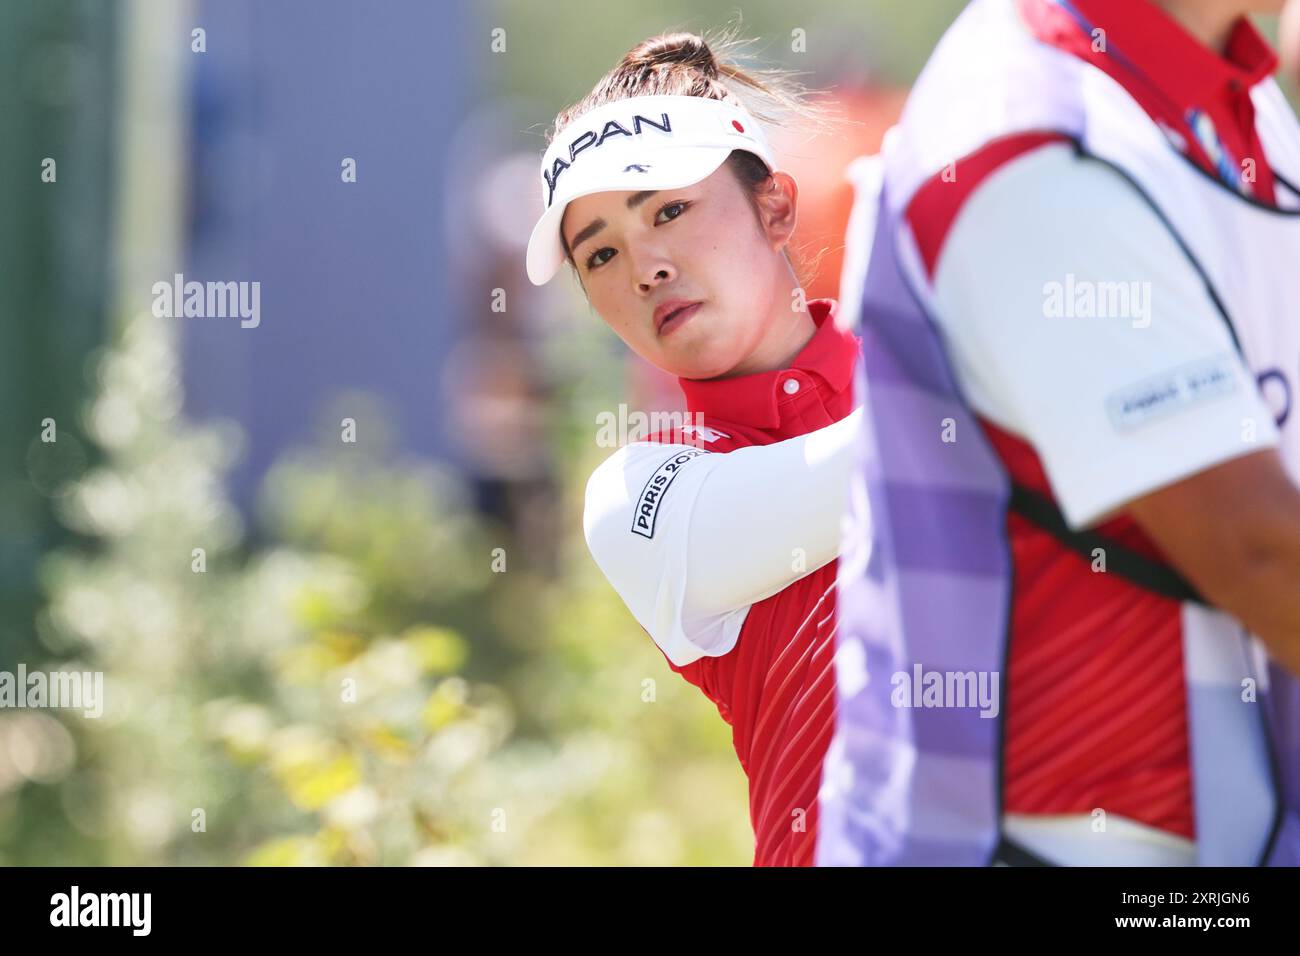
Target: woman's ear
778,204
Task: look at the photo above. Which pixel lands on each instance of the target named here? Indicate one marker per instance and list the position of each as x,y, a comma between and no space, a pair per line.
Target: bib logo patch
652,495
1174,391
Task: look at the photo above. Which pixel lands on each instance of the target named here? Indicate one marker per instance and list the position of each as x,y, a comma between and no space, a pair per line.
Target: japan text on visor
637,143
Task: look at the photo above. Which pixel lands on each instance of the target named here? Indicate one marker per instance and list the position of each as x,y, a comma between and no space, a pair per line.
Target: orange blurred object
818,165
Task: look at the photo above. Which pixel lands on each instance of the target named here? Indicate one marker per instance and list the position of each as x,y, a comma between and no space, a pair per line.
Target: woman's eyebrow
596,225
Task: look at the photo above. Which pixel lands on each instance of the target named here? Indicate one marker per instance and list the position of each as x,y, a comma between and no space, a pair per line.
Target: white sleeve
1074,320
690,539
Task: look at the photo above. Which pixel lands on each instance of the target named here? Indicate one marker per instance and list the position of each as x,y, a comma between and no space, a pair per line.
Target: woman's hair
687,64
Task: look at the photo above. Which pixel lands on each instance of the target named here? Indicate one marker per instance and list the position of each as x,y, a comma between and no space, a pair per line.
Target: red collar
1166,69
754,399
1184,68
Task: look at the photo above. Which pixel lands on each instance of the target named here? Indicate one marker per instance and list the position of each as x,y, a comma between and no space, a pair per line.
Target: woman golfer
662,194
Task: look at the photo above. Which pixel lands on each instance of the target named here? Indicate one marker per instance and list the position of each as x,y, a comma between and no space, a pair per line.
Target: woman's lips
678,319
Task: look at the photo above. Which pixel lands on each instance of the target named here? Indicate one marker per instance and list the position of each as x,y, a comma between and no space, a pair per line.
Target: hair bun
688,49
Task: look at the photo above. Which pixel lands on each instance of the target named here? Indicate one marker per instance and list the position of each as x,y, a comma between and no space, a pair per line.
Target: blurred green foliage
354,686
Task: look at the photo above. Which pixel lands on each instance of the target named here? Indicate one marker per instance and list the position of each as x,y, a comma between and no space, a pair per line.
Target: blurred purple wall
355,288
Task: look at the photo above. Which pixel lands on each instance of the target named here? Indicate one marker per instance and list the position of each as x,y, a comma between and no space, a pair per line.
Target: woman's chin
697,360
704,373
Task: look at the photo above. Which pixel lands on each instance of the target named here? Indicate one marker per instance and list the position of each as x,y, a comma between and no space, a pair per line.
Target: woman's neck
789,331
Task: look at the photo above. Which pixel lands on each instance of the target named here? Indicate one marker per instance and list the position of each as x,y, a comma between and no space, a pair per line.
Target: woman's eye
592,261
681,206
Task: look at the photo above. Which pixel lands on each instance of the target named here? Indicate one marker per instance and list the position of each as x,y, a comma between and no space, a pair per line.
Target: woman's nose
661,274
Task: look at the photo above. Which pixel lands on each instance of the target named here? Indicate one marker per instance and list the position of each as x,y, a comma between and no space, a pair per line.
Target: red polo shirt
776,686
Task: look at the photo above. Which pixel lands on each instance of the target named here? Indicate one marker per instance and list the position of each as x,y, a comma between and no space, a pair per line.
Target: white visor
637,143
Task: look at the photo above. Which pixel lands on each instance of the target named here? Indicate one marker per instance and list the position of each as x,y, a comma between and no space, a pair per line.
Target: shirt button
791,386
